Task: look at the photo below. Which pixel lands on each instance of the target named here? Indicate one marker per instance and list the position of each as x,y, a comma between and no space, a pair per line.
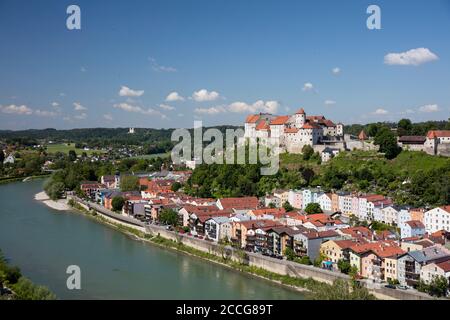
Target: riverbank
60,205
312,288
29,178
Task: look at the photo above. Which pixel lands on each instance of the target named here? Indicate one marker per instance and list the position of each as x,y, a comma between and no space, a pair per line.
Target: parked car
402,287
390,286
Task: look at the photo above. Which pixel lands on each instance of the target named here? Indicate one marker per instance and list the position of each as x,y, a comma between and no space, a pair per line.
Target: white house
295,198
412,228
217,228
324,200
329,153
432,270
9,159
437,219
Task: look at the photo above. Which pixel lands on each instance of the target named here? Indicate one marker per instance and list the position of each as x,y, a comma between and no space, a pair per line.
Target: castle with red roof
293,132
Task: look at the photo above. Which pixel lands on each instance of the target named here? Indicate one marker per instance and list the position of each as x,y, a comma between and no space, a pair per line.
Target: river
44,242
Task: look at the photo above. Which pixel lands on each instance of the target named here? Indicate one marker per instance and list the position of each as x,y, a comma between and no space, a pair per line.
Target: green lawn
66,147
151,156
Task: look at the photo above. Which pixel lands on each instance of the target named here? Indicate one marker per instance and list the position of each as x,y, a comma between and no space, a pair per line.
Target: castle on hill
295,131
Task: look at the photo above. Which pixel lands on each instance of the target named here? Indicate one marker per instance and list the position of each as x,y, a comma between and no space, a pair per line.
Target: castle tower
300,118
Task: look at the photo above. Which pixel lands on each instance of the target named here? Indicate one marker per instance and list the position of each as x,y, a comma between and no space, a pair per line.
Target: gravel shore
60,204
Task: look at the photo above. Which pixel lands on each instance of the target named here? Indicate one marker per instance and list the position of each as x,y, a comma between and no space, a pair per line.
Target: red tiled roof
415,224
240,203
315,118
262,126
271,211
373,197
362,135
344,244
444,265
329,123
253,118
300,111
310,126
438,134
321,234
357,232
446,208
260,224
279,120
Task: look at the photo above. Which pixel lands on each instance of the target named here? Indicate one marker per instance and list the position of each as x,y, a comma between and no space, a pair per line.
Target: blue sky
224,60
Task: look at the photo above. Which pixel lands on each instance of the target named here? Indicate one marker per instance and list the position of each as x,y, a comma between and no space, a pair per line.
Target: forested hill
92,136
404,127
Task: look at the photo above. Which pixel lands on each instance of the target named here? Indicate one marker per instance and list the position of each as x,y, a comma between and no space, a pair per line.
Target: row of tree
21,287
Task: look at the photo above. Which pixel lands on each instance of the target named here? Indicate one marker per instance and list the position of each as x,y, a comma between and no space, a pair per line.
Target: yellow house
390,268
336,250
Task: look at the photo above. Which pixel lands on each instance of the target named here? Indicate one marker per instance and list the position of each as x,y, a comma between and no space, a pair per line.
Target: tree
387,142
305,260
438,286
24,289
287,206
289,253
312,208
341,290
307,152
117,203
2,156
175,186
272,205
404,127
72,155
129,183
54,189
372,130
168,216
344,266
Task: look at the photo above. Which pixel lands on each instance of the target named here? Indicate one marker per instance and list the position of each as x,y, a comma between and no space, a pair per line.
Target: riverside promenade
278,266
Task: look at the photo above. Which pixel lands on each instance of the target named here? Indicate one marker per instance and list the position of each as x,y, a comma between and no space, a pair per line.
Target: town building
437,219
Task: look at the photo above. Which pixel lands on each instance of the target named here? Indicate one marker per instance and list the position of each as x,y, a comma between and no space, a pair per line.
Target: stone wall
283,267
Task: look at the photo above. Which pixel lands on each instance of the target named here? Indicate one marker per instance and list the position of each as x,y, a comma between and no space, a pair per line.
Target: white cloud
210,111
408,111
308,86
108,117
158,67
45,113
62,94
429,108
180,115
137,109
205,95
174,96
336,71
127,92
14,109
380,112
78,106
55,104
166,107
413,57
329,102
83,69
258,106
81,116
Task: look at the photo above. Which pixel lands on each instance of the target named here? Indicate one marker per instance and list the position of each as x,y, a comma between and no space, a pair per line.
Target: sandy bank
41,196
60,204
